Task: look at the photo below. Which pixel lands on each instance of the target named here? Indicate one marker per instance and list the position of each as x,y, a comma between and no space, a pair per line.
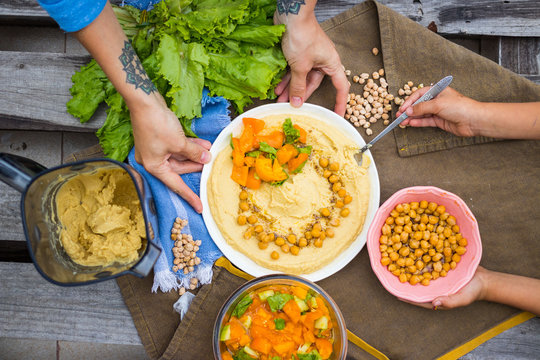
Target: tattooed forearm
135,73
289,6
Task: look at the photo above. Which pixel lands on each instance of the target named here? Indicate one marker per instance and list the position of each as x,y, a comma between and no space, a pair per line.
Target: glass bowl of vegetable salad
280,316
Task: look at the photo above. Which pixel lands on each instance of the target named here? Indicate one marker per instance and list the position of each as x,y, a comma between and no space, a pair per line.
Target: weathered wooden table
37,59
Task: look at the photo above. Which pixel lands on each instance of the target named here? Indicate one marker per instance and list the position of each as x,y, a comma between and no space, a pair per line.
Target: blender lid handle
147,262
18,171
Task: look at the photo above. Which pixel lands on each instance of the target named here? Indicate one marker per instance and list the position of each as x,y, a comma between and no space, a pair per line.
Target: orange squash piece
256,124
321,306
294,163
249,161
237,330
274,139
238,154
308,335
247,140
262,345
324,347
292,310
244,340
240,174
251,182
284,347
226,355
269,172
299,292
286,153
303,134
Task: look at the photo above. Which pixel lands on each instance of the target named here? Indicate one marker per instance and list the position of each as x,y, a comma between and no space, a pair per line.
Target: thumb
451,301
195,152
297,87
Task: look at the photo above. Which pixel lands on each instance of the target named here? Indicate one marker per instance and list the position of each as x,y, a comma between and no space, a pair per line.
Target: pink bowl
456,278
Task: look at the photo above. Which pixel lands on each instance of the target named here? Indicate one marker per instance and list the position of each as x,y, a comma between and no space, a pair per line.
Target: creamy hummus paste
294,206
101,218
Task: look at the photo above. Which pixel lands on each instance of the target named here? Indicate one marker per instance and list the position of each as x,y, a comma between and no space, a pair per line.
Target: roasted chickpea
323,162
345,212
347,199
274,255
295,250
243,195
241,220
252,219
302,242
325,212
291,238
334,166
280,241
244,206
263,245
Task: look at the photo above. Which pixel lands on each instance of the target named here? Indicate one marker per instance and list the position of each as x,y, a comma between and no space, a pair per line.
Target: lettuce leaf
232,48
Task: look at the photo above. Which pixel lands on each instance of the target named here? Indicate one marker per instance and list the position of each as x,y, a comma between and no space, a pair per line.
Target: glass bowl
339,329
456,278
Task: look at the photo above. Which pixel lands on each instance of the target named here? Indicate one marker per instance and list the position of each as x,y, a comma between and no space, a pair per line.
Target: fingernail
205,157
296,101
437,303
409,111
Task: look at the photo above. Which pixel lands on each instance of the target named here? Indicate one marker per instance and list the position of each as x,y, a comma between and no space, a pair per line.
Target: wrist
486,280
292,16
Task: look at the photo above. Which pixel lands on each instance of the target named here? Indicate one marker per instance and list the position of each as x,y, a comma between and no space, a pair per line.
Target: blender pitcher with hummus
86,221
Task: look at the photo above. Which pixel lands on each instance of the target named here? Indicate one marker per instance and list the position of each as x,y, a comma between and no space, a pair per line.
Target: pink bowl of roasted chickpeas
424,243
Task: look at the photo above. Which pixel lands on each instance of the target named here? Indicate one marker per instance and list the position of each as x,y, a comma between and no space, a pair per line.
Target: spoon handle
430,94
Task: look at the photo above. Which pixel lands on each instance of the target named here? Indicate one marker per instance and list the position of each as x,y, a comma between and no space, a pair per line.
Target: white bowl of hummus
300,224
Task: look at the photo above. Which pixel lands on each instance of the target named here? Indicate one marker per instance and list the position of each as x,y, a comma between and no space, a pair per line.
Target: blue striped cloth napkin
215,116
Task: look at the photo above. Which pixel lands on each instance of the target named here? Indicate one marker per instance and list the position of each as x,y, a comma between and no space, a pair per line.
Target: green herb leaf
268,149
280,323
278,300
254,153
291,134
305,150
242,306
313,355
242,355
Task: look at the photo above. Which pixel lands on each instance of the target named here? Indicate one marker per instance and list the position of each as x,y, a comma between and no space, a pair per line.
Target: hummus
294,207
101,218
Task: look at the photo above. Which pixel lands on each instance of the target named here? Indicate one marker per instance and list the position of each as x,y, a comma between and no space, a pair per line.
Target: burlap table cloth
498,181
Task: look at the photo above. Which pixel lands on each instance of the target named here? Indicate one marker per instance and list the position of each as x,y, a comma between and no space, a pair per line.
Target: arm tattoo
289,6
134,70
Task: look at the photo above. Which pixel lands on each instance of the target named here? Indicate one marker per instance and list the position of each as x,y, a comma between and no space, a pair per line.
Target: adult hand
473,291
450,111
163,149
311,55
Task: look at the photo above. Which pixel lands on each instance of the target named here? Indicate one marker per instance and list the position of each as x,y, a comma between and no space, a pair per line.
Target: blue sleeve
73,15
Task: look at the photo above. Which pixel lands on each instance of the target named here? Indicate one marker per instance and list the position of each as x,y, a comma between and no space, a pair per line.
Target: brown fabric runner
498,181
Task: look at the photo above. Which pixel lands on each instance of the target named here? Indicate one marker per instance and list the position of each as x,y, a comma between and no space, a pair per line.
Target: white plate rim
241,260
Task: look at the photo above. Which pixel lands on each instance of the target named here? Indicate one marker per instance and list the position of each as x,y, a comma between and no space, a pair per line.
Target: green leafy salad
231,47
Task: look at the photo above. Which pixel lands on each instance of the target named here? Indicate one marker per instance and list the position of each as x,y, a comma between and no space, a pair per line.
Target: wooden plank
36,87
481,17
32,38
475,17
43,147
31,307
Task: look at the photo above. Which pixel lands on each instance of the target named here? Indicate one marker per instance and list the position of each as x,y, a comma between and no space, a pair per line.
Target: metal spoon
430,94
